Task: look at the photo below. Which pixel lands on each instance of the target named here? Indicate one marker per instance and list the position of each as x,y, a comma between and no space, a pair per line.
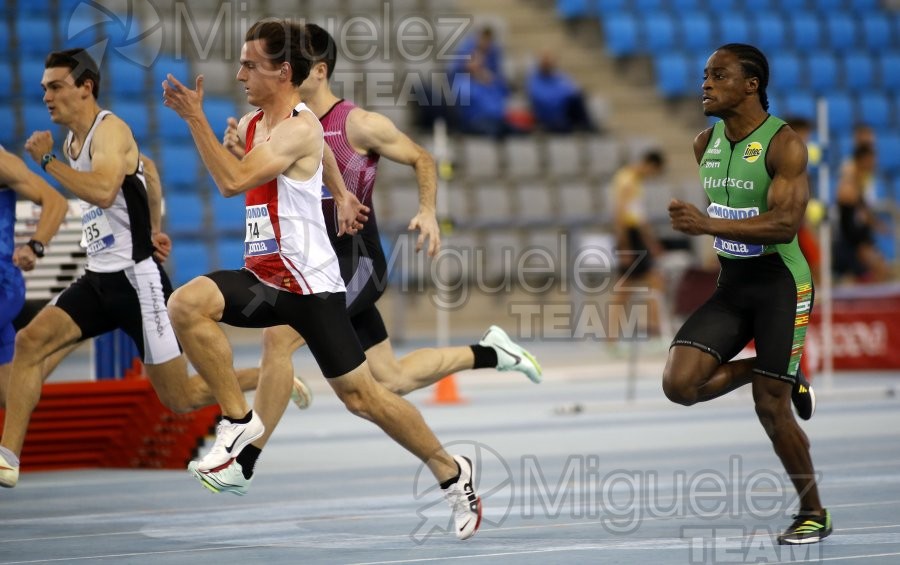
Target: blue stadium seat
34,35
858,70
676,6
672,75
179,68
231,252
889,70
171,128
609,7
841,113
785,71
8,136
724,6
31,71
799,103
866,6
7,47
33,7
889,153
790,6
78,28
658,33
218,110
769,31
37,118
649,6
127,79
876,31
822,72
227,213
191,260
874,109
573,9
620,31
842,33
732,28
806,31
828,5
136,115
184,212
6,89
696,32
178,166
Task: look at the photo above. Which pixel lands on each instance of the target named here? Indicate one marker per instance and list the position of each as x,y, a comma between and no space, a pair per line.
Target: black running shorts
320,318
757,299
364,270
133,300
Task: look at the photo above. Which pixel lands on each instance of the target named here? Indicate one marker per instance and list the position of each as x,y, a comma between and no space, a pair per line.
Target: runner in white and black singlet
123,287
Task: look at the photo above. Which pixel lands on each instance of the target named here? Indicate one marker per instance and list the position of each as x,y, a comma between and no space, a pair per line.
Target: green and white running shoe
510,355
227,478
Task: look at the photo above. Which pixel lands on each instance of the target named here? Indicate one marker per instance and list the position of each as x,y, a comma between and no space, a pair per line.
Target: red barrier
866,330
111,424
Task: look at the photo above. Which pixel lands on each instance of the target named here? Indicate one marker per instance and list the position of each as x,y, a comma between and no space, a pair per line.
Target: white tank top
119,236
286,245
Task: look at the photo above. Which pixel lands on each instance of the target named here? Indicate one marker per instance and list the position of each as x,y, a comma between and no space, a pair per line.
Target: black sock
485,357
244,420
247,458
446,484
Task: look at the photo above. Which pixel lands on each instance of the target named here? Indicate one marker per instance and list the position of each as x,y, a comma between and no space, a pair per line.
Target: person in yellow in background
637,246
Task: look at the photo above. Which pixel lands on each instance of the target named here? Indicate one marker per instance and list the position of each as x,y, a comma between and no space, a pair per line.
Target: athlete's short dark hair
322,48
863,150
284,41
754,64
80,64
655,158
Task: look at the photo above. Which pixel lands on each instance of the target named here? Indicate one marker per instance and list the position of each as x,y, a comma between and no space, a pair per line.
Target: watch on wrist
45,160
36,246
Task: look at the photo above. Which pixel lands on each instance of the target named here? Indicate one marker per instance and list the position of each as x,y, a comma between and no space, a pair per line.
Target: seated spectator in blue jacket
484,43
556,101
481,105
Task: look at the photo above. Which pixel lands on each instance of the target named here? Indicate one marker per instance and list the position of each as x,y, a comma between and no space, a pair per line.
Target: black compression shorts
364,270
320,318
755,299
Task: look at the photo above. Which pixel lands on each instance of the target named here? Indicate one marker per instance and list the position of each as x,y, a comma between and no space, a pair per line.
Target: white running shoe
464,501
510,355
9,473
231,439
228,478
300,394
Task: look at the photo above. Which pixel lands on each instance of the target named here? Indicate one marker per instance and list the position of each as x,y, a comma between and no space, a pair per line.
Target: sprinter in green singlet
753,169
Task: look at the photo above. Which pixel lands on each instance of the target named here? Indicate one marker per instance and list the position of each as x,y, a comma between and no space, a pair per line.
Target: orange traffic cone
445,392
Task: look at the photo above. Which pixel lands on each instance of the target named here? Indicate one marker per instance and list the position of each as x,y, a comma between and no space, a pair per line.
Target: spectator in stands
481,107
556,101
16,179
483,43
636,243
856,254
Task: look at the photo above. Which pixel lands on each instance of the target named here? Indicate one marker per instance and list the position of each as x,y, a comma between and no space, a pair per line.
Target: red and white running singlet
286,245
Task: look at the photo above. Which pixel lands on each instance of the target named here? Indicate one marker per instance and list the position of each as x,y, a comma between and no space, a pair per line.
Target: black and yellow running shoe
804,397
807,528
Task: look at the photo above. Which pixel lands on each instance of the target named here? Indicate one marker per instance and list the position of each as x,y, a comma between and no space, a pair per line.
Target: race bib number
729,246
96,233
260,239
